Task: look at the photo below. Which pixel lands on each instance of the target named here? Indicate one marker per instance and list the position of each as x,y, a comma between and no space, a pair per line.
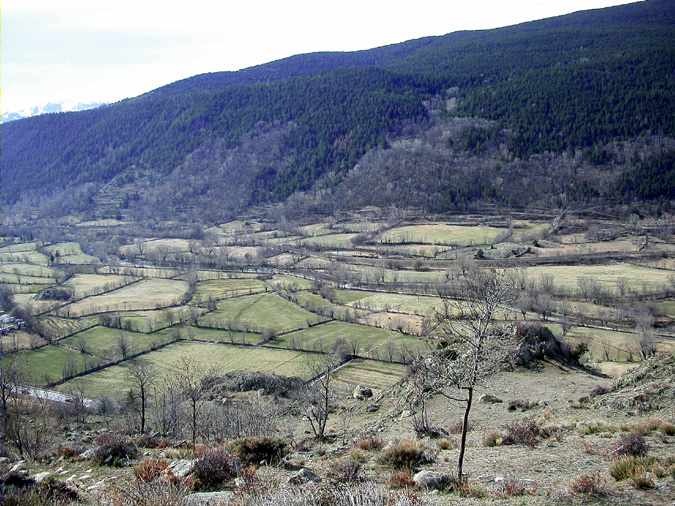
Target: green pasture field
375,274
33,305
316,229
63,249
442,234
324,337
369,373
61,327
26,269
225,288
288,282
108,222
666,308
17,279
314,262
103,342
81,259
412,304
82,285
259,312
114,381
565,277
153,293
189,332
47,364
20,340
28,257
330,241
150,321
139,272
20,247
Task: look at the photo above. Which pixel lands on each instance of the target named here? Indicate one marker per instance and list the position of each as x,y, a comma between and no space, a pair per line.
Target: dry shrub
653,424
345,470
594,485
254,450
492,438
516,488
401,479
67,452
153,493
523,432
150,469
50,492
456,428
633,444
600,390
470,489
598,427
370,443
522,405
215,468
447,444
358,455
113,450
643,481
406,454
151,441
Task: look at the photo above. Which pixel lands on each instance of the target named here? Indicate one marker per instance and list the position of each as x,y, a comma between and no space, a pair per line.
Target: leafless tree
142,376
188,380
9,379
474,346
319,393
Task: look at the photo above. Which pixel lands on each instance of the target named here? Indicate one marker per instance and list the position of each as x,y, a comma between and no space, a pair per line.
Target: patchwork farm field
257,296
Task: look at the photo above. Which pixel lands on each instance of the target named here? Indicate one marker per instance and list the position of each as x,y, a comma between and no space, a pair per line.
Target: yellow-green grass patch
83,285
612,345
288,282
151,321
439,233
219,358
146,294
22,269
566,277
225,288
81,259
20,247
29,257
34,306
48,364
106,343
57,328
17,279
330,241
63,249
257,313
139,272
369,373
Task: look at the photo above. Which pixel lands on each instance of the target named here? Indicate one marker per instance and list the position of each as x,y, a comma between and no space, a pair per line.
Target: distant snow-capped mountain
48,108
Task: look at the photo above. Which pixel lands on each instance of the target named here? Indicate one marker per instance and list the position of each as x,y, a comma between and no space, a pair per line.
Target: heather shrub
594,485
215,468
254,450
401,479
523,432
631,444
447,444
113,450
370,443
150,469
406,454
345,470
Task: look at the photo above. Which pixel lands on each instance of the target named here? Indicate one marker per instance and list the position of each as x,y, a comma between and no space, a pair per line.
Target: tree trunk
142,411
465,429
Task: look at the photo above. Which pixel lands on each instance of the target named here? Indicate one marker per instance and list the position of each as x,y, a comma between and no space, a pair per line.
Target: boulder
432,480
181,468
87,454
208,499
372,408
489,399
362,393
303,476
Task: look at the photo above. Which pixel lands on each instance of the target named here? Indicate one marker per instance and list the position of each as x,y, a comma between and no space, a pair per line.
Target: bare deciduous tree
319,393
188,380
142,376
474,345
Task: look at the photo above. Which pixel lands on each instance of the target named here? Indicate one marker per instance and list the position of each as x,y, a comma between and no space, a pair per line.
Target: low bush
523,432
345,470
470,489
627,467
254,450
406,454
151,441
594,485
113,450
492,438
447,444
643,481
401,479
599,390
633,444
150,469
215,468
50,492
370,443
651,425
522,405
516,488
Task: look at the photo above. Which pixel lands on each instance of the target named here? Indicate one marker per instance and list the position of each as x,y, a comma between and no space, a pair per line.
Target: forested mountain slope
584,80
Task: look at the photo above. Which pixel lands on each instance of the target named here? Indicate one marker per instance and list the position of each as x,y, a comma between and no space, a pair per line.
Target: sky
105,50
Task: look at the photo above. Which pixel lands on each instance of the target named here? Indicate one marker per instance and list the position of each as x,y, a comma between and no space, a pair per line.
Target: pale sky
106,50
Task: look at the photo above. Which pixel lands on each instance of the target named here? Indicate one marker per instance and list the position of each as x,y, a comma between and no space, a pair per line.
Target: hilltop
583,103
